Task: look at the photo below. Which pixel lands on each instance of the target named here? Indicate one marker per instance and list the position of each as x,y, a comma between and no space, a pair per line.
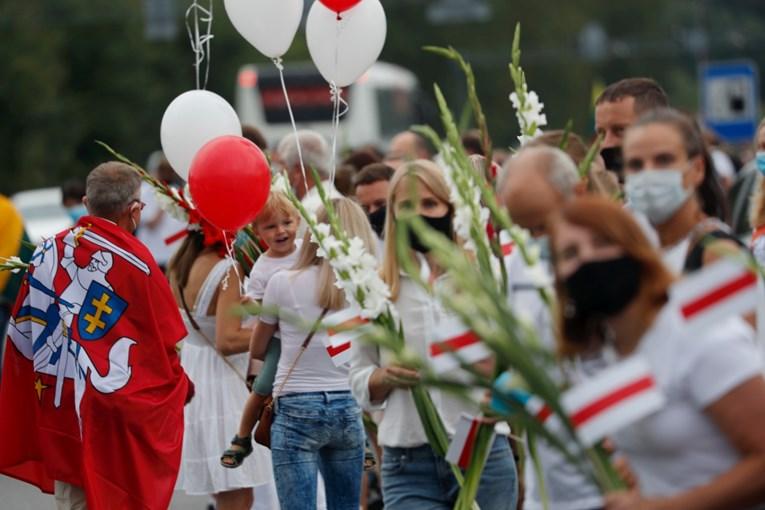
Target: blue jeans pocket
393,464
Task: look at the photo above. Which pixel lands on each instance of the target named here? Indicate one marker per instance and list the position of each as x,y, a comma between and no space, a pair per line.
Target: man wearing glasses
91,405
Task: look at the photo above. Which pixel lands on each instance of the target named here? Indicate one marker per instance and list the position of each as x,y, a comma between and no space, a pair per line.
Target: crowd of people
652,207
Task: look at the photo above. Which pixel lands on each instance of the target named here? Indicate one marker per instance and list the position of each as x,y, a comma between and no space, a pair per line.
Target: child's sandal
233,458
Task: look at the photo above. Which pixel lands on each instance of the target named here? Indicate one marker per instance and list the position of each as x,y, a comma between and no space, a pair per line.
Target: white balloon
344,49
269,25
190,121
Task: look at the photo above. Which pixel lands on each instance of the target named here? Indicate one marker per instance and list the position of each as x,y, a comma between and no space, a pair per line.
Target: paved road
15,495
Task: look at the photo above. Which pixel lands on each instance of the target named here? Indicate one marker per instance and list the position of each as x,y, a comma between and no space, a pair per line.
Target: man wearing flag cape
91,402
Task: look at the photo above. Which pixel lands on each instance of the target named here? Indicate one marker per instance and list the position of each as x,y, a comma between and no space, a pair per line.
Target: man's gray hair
558,167
110,188
561,171
315,152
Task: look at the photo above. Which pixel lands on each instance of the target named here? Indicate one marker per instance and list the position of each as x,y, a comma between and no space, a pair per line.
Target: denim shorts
417,479
317,431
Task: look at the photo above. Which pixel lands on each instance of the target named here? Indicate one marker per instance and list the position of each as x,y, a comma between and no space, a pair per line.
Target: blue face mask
760,160
76,212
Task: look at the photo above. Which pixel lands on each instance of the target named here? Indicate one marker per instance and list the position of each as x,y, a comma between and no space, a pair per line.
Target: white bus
383,102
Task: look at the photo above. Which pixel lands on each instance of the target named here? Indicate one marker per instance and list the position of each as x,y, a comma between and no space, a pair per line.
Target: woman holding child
317,423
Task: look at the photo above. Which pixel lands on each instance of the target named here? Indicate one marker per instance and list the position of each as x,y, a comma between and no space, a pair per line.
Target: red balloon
339,5
229,180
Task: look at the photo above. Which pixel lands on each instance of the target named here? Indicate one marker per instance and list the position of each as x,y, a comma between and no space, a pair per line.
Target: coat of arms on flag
91,367
100,310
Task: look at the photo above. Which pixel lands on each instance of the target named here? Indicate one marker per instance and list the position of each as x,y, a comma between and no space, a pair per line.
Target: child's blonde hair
277,203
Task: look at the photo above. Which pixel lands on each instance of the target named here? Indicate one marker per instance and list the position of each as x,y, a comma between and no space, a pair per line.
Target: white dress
212,417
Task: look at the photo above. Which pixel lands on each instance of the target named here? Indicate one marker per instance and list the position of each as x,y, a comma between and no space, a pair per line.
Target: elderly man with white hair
316,155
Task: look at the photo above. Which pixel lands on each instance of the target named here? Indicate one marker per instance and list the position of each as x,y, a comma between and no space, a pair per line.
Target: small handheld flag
343,328
718,291
454,343
460,451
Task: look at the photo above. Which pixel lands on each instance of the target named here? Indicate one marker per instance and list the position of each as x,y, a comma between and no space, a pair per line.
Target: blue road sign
730,99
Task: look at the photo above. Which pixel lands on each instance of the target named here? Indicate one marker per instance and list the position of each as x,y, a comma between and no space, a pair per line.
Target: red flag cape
93,390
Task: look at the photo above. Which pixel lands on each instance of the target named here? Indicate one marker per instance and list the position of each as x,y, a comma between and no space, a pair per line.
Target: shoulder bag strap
302,349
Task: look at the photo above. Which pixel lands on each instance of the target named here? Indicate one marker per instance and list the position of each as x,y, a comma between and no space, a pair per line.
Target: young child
276,225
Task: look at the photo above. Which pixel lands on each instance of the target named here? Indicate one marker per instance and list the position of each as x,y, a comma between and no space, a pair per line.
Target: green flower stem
504,338
475,104
483,443
536,464
592,152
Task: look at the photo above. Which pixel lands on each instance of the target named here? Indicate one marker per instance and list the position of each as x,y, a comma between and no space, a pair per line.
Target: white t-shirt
400,426
680,447
567,488
266,267
674,256
294,294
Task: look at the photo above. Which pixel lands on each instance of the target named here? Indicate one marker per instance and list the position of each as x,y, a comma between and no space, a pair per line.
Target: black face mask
613,159
441,224
377,220
604,287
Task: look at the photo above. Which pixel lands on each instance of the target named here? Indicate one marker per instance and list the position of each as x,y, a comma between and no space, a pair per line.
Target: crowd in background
661,199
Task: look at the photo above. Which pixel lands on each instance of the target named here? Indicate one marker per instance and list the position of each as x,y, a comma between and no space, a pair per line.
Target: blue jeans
416,479
317,431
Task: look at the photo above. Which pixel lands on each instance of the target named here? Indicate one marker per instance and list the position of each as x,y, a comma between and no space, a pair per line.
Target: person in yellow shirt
11,237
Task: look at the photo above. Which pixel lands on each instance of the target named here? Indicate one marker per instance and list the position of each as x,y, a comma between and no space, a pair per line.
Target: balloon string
337,101
200,42
230,256
333,91
280,66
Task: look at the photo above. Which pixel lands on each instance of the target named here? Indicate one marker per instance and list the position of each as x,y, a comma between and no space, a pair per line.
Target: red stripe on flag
591,410
721,293
344,326
544,413
507,249
334,351
454,344
467,448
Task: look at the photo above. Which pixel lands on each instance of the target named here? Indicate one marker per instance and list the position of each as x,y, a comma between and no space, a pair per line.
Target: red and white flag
343,328
506,243
461,448
615,398
716,292
454,343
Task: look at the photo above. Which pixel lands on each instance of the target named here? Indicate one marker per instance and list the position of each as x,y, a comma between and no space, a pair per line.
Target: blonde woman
413,477
317,423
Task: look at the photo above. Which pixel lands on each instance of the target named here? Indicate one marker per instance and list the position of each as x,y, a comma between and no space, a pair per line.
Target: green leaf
592,152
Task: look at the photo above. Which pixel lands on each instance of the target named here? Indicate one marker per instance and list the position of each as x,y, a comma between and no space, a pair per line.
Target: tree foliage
74,71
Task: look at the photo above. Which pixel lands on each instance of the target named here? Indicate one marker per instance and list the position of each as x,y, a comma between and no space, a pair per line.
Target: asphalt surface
15,495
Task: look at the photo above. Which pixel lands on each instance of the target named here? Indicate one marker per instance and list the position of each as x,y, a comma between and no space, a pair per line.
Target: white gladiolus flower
279,183
528,110
355,269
